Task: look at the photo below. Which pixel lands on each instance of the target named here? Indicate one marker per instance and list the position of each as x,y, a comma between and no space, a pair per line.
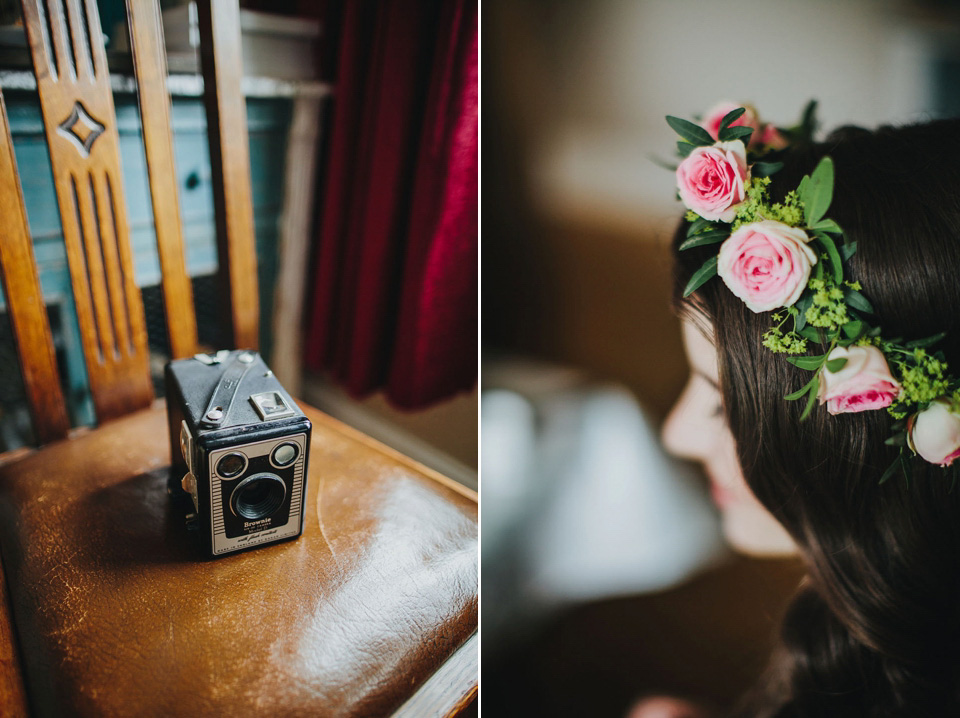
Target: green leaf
702,275
713,232
835,260
924,343
853,329
812,397
702,240
811,333
684,148
765,169
736,133
803,187
808,363
828,225
905,465
819,192
802,305
662,163
730,118
808,122
857,300
800,392
847,250
897,440
891,470
835,365
818,270
698,226
694,134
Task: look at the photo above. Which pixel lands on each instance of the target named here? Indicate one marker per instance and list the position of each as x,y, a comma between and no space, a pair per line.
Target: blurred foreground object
580,500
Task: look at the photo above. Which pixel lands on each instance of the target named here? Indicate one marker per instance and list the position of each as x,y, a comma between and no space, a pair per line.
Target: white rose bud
935,434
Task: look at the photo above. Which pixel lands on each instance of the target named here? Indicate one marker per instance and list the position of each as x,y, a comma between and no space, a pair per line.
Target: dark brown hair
876,630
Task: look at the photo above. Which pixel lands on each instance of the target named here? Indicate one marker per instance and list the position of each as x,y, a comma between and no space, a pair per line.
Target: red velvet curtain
395,281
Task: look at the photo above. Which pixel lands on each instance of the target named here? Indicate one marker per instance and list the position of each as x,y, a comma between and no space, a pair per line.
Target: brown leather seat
118,614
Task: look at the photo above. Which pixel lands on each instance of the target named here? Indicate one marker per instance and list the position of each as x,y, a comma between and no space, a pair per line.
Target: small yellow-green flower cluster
751,209
828,310
779,343
789,212
755,207
923,378
924,382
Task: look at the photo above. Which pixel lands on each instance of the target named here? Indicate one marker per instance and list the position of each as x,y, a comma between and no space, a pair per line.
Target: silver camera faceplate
220,541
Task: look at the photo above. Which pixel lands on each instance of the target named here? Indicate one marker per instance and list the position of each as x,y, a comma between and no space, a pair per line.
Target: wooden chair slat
80,216
28,317
80,123
222,66
56,34
80,48
150,66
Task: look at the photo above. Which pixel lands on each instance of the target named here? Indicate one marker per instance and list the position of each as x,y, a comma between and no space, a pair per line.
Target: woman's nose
689,431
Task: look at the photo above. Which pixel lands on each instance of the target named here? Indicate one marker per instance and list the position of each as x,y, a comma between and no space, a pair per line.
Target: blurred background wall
576,284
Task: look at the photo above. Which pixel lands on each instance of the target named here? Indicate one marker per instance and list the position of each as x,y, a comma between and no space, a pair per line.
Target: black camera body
241,445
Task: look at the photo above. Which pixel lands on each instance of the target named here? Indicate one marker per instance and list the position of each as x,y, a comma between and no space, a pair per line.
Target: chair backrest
76,102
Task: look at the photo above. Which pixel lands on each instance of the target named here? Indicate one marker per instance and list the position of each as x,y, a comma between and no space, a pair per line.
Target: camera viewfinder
284,455
231,465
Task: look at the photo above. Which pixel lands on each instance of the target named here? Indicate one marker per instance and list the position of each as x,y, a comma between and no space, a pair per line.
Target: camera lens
231,465
258,496
284,454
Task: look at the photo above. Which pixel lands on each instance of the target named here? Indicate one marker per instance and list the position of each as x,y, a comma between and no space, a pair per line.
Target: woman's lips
721,495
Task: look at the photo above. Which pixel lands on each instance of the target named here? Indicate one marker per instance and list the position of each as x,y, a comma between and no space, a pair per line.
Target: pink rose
766,264
863,384
713,116
934,433
711,180
770,137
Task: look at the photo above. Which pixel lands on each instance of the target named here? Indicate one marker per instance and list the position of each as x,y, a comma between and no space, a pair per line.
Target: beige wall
616,67
576,215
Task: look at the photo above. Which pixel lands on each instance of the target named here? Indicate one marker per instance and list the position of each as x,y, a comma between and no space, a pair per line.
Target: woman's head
884,560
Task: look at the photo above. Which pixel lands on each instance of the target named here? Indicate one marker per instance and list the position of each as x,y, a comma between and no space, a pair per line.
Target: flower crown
788,257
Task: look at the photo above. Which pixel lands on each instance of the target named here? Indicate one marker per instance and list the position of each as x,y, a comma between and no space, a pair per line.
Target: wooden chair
108,608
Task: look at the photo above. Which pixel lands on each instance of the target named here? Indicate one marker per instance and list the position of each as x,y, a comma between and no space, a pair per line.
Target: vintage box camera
241,446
